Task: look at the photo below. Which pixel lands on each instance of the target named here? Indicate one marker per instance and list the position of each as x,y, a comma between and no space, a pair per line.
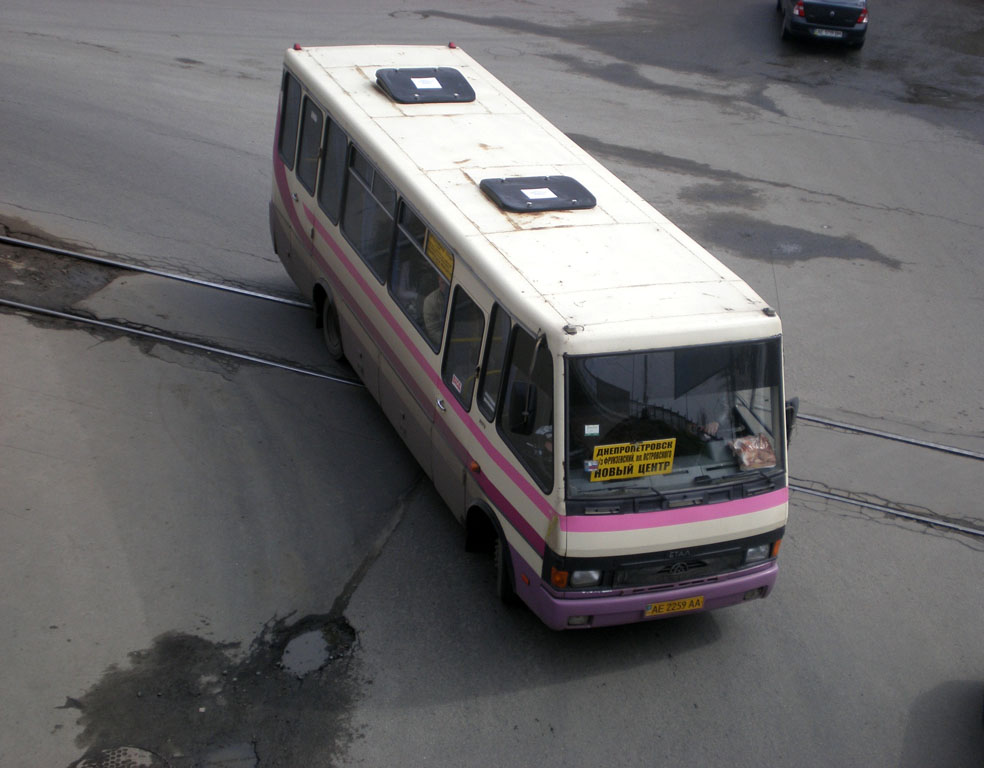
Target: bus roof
617,272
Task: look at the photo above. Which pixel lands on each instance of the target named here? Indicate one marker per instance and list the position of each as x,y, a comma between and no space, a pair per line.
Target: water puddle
190,701
306,653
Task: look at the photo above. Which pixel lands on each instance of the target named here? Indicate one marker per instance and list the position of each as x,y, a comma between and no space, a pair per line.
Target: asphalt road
176,525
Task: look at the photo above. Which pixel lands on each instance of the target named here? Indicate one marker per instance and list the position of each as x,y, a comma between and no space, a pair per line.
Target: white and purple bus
597,399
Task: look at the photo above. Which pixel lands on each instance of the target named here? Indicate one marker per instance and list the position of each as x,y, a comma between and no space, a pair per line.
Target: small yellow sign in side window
440,256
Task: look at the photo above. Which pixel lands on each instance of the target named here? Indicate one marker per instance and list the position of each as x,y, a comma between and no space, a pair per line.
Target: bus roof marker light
297,47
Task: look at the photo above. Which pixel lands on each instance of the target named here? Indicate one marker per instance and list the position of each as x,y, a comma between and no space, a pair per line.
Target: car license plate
828,33
675,606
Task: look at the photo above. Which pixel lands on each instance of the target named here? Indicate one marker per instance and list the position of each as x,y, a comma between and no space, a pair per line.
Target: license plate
675,606
828,33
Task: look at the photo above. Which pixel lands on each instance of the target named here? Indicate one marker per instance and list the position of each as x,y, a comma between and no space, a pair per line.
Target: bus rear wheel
330,329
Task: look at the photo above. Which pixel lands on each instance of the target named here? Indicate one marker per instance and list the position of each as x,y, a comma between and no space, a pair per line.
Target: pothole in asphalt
306,653
310,650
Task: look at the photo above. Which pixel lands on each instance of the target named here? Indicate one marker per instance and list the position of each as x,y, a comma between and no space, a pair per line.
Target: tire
783,31
480,536
330,329
504,586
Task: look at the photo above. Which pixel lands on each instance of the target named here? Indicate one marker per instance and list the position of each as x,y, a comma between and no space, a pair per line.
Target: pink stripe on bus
513,515
507,509
661,518
521,482
573,524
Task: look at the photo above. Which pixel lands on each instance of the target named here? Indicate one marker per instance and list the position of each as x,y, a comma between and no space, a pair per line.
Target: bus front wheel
504,587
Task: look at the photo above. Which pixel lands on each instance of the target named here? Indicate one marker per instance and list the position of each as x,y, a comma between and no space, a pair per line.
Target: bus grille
680,570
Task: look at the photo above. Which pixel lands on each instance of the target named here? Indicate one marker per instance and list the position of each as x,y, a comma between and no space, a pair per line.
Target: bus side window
495,353
332,170
526,418
290,105
415,283
310,145
464,345
368,216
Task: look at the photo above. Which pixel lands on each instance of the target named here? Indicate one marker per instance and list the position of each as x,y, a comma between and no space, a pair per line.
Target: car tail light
863,18
798,9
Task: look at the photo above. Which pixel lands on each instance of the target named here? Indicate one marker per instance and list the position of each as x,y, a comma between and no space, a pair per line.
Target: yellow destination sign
622,461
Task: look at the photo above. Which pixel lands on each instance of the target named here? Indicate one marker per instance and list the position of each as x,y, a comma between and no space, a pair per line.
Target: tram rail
103,261
884,508
178,341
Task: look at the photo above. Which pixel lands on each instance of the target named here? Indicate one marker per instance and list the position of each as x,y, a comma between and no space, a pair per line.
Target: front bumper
555,608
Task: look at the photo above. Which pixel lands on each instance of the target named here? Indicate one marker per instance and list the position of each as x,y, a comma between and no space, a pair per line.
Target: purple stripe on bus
660,518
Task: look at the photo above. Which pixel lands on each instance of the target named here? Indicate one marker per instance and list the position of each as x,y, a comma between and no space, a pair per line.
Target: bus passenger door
410,411
459,371
449,467
360,349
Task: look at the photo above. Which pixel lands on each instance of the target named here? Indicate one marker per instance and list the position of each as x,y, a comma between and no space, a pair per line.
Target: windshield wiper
759,474
611,491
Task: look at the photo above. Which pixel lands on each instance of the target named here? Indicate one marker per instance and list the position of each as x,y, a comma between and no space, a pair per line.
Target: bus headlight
585,578
757,553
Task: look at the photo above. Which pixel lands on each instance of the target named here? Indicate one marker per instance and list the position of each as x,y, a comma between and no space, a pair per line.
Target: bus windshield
667,420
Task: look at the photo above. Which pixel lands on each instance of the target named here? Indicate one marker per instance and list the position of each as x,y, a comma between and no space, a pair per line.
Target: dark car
844,21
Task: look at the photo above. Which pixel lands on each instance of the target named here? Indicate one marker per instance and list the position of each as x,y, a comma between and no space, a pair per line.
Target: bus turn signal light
559,578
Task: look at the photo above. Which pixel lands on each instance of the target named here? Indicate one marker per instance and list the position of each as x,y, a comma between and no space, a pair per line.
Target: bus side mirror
792,408
522,406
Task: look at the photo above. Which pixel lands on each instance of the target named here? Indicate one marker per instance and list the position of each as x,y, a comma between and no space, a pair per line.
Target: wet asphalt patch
189,701
58,282
752,238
